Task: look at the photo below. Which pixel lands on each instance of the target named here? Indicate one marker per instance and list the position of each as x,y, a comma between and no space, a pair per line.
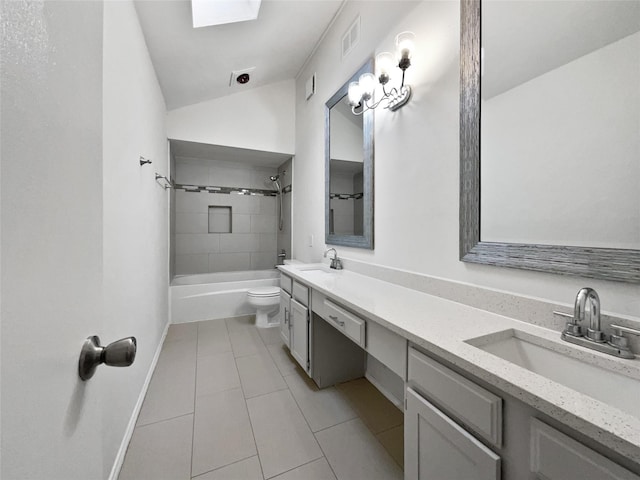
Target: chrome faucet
592,336
336,263
592,332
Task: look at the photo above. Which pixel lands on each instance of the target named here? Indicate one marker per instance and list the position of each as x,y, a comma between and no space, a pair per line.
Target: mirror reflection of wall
346,171
560,116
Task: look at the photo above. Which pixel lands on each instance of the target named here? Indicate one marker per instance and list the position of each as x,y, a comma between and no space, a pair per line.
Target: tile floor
227,401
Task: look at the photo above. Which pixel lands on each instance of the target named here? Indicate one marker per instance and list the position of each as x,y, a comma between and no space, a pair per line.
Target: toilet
265,300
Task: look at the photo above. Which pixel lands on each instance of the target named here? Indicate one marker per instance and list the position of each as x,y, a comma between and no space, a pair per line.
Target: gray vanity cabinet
556,456
299,339
436,447
440,445
285,316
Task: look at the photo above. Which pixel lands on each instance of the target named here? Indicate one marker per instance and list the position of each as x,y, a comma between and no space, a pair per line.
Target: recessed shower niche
220,219
227,212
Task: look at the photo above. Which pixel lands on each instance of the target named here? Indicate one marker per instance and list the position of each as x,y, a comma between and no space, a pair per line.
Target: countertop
442,326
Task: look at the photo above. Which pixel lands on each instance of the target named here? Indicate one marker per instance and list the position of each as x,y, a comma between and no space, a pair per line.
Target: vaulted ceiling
195,64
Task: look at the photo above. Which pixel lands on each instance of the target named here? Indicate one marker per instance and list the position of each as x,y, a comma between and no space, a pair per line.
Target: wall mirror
348,170
549,144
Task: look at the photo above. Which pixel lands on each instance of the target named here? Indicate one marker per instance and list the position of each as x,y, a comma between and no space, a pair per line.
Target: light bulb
368,84
405,43
384,66
355,94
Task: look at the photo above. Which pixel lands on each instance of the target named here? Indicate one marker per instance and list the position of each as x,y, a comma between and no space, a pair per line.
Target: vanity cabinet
556,456
299,343
436,447
438,444
295,320
285,317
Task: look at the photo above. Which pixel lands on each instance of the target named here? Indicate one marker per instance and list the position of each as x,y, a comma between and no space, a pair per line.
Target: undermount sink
567,365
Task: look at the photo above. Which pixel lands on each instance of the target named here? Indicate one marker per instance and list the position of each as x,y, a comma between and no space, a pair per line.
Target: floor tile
222,431
378,413
182,331
213,338
160,451
216,373
248,469
282,358
238,323
321,408
316,470
172,387
259,375
393,442
282,435
246,341
271,335
354,453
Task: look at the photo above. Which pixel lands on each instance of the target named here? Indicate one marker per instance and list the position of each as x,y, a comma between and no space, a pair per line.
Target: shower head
274,178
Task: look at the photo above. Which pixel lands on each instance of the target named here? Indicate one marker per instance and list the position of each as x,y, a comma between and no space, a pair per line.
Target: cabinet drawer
285,283
556,456
352,326
388,347
474,406
301,293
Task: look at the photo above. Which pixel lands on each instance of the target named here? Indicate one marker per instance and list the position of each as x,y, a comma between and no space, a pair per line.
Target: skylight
219,12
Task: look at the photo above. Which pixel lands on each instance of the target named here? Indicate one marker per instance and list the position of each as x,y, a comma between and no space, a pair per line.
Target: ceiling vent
240,77
351,37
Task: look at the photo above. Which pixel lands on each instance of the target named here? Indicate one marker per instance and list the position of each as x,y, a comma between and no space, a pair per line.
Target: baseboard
385,392
122,451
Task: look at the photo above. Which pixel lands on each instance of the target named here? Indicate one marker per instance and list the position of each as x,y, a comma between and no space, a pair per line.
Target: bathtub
211,296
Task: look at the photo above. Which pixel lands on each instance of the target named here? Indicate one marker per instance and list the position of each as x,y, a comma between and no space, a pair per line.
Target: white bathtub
210,296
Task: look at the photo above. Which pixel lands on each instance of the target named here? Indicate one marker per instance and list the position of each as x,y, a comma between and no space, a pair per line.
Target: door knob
120,353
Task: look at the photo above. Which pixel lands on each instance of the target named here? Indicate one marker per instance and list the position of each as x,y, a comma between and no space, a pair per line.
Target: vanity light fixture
361,93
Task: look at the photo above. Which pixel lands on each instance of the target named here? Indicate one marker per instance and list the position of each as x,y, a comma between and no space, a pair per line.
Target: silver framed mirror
588,259
349,152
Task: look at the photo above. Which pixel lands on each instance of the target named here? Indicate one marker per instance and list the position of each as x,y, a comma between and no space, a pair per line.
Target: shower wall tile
268,205
263,224
239,242
188,264
229,262
190,243
268,242
192,202
240,223
263,260
253,241
192,222
190,173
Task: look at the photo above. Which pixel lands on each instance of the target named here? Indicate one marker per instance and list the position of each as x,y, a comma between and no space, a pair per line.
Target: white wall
136,229
416,159
51,150
258,119
590,133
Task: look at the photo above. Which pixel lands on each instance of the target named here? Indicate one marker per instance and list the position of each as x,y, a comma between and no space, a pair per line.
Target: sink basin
310,267
567,365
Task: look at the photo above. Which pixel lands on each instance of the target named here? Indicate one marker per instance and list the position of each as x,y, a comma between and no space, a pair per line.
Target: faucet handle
617,337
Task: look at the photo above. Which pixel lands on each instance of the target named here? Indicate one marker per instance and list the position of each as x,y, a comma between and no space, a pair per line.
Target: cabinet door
555,456
299,346
285,315
438,448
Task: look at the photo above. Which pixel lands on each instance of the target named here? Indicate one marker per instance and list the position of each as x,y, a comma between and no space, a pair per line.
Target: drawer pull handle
335,319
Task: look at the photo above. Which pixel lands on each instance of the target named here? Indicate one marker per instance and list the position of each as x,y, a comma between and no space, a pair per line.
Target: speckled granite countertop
442,326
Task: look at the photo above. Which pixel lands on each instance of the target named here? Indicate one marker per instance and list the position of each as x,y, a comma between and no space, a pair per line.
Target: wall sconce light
361,93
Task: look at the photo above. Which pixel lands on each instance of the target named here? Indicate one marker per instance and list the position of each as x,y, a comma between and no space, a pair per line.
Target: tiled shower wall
252,242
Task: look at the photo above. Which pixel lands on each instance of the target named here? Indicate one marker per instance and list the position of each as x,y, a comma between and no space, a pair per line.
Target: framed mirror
549,144
348,170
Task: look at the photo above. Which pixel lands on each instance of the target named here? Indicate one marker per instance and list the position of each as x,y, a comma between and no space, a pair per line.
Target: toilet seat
264,292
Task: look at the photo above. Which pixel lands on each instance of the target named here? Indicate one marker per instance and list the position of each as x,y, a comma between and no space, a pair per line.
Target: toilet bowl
265,300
